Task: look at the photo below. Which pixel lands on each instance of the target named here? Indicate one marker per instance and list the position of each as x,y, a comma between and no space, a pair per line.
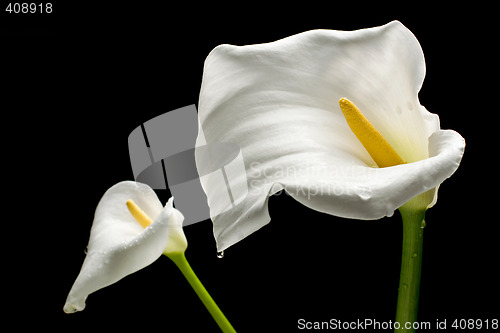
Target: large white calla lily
279,103
119,245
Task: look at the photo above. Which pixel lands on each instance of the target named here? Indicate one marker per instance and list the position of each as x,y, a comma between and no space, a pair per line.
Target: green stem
411,263
180,260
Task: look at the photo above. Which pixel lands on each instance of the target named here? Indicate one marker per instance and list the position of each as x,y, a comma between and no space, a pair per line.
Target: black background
76,82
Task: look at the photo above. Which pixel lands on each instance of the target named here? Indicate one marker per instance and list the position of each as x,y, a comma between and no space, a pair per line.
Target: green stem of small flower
411,263
180,260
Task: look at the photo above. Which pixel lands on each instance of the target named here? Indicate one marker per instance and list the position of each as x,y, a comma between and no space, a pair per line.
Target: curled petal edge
394,187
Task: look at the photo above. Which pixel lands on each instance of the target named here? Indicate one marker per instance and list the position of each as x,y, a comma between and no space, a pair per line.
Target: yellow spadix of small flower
379,149
177,242
138,214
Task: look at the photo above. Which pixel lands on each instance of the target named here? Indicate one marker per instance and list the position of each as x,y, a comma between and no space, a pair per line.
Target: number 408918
29,8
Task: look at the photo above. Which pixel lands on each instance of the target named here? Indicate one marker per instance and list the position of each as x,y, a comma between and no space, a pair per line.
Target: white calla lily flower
119,245
131,230
279,103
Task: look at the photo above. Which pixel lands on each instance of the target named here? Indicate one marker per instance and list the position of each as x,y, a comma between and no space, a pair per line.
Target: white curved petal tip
73,307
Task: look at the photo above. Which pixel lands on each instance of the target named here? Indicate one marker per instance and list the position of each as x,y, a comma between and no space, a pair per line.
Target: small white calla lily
131,230
119,245
279,103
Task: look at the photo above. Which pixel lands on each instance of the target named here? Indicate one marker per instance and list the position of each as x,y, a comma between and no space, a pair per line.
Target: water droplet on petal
220,254
364,193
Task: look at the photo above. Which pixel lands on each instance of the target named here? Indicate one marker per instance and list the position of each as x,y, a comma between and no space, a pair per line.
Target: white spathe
278,102
118,244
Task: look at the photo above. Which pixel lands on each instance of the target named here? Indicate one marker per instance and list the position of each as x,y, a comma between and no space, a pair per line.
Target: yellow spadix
379,149
138,214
